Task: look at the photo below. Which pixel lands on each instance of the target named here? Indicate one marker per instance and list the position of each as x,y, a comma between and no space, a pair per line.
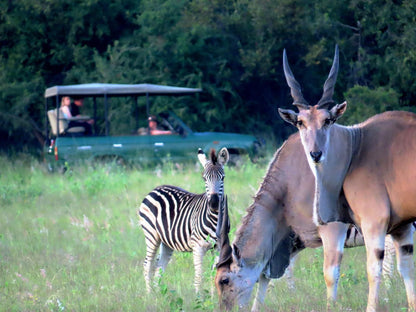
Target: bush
364,102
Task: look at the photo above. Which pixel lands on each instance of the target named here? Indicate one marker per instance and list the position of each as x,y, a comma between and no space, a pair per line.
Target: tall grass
71,242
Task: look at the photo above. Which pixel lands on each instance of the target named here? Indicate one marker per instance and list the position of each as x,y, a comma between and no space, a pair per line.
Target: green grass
72,243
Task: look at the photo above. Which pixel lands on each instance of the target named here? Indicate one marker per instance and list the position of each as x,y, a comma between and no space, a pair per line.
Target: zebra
388,261
179,220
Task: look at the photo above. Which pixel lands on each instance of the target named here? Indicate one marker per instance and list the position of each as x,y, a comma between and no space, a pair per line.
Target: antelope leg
333,238
374,236
261,293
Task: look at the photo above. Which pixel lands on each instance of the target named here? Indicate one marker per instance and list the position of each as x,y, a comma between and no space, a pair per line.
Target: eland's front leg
333,238
261,293
374,237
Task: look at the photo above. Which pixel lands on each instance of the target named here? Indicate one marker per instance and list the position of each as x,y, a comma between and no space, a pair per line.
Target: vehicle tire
59,168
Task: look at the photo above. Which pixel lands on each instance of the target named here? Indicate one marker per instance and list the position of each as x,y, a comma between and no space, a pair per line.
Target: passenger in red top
153,127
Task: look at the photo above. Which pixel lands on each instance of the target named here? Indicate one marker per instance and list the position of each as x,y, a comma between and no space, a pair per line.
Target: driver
153,127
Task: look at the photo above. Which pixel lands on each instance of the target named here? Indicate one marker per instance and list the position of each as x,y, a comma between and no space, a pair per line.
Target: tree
364,102
40,44
231,49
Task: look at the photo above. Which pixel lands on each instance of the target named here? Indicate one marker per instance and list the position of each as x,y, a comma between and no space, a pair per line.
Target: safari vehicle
69,145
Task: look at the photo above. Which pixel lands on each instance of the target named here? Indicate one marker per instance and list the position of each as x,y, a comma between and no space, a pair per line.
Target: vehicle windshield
172,122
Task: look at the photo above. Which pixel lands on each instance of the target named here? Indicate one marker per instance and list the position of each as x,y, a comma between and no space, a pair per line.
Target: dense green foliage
231,49
72,243
368,102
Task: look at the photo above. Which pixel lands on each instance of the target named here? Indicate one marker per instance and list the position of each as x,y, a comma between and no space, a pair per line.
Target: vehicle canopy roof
107,90
110,89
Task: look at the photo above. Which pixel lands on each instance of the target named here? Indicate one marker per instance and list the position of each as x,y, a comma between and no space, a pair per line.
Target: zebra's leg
403,243
165,255
199,251
148,222
261,293
333,238
388,262
148,267
289,272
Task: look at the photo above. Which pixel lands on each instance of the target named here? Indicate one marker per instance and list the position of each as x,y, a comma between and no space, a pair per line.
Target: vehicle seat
63,125
143,131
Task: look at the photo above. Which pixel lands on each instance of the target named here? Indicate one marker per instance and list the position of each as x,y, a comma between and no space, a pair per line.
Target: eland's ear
289,116
202,158
223,156
237,255
338,110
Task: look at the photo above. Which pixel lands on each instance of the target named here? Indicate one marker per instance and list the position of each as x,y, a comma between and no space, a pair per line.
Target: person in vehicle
153,127
74,110
65,104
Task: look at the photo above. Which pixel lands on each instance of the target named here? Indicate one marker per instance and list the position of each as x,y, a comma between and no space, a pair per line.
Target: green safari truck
68,145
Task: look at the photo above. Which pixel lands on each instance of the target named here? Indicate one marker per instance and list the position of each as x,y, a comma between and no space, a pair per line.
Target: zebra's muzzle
214,201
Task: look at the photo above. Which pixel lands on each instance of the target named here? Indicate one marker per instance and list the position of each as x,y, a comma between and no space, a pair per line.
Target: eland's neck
343,142
264,224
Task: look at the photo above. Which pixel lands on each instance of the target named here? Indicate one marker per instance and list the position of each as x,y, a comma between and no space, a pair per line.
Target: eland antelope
372,164
277,225
179,220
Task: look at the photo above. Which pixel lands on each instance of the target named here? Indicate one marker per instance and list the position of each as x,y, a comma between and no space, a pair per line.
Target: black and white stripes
176,219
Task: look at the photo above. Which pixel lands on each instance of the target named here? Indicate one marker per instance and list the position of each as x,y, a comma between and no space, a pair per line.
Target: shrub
364,102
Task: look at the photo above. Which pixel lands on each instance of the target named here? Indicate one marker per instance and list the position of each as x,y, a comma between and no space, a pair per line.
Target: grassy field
72,243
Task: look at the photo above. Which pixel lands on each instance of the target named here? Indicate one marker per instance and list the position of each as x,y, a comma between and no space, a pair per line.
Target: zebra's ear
202,158
223,156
